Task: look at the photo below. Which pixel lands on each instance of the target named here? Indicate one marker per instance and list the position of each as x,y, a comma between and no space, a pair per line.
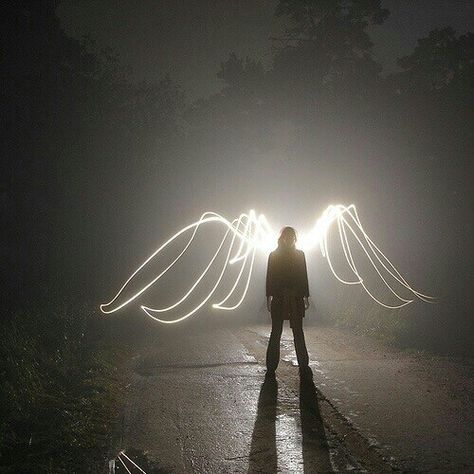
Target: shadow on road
263,453
263,450
315,445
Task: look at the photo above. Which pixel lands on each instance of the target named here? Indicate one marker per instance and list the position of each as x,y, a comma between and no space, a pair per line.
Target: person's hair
287,230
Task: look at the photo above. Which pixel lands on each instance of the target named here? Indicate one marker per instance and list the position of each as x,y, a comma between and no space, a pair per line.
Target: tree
74,128
326,46
440,61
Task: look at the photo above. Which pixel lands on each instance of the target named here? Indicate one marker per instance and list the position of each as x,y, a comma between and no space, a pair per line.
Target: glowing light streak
124,465
122,454
149,310
250,233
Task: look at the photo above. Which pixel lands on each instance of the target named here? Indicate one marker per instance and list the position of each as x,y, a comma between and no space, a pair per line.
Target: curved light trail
251,232
128,463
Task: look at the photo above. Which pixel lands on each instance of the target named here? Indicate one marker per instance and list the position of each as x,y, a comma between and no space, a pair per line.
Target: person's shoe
306,372
270,374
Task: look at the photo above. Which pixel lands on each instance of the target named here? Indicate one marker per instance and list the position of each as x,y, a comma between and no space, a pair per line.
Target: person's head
287,237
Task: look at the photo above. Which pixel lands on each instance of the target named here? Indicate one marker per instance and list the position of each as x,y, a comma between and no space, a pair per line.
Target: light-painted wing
242,237
247,234
350,229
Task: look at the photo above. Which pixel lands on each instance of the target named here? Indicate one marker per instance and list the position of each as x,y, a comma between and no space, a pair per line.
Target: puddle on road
288,440
301,446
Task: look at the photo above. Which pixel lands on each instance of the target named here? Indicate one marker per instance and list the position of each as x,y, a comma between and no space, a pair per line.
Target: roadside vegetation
61,389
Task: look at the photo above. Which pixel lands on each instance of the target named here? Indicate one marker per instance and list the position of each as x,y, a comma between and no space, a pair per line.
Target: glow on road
249,233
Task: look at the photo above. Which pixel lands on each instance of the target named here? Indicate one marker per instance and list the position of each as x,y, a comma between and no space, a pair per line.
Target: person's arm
269,281
304,281
269,303
304,276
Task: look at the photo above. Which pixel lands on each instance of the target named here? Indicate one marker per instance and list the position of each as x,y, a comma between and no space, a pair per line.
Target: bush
58,394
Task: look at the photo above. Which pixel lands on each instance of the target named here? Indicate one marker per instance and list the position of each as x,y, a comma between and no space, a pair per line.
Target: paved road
197,402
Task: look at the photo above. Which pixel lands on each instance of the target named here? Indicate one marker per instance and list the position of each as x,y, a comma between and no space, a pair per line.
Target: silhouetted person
287,299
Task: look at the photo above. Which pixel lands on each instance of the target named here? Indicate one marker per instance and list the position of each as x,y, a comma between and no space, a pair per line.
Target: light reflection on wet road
198,402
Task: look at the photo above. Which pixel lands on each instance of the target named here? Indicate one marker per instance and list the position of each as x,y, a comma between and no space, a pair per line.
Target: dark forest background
95,168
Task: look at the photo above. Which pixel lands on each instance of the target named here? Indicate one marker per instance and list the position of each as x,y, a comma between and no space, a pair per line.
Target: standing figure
287,294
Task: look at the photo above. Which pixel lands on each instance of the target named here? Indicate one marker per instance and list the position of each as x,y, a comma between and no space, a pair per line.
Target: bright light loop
250,232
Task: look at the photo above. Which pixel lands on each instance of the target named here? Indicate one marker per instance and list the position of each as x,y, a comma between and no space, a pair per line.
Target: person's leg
273,349
300,344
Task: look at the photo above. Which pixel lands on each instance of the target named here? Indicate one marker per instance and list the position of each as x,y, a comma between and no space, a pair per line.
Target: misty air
237,236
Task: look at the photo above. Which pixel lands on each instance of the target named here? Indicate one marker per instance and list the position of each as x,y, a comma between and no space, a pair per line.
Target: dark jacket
286,268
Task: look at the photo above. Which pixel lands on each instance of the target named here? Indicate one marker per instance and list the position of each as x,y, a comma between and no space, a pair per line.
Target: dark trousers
273,349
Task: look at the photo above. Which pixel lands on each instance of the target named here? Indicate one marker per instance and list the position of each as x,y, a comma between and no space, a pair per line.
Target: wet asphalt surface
197,401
